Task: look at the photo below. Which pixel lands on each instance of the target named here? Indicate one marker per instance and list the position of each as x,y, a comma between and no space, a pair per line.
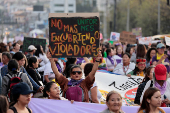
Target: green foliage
144,14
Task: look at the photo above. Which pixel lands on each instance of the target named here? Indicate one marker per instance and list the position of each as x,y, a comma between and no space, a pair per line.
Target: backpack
74,93
13,81
140,90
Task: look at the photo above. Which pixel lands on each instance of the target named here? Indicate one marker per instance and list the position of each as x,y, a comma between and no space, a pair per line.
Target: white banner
114,36
126,86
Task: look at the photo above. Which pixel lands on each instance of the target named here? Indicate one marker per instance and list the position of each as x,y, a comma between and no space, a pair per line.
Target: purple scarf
120,55
73,82
59,68
110,58
161,88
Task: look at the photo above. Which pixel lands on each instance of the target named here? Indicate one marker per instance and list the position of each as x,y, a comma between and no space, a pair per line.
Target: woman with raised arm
77,88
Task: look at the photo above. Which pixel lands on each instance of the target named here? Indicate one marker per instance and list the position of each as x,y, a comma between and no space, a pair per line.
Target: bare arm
55,69
160,61
95,67
94,95
46,78
86,60
10,111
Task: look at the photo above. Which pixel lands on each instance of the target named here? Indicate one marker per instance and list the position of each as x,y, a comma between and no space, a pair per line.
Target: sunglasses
141,64
74,72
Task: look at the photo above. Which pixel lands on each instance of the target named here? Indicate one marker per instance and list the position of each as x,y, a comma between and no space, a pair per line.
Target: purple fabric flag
64,106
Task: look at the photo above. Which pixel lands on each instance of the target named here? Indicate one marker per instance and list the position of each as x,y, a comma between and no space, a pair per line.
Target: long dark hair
146,78
38,51
148,54
47,88
7,54
88,68
30,61
70,62
128,49
4,104
13,66
147,95
67,70
141,51
15,98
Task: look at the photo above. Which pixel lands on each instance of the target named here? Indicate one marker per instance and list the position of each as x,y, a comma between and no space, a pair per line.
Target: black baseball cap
21,88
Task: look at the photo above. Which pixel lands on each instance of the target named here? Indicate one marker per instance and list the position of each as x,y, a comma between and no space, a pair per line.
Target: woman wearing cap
21,93
151,102
125,67
113,102
76,81
31,51
162,82
140,68
161,57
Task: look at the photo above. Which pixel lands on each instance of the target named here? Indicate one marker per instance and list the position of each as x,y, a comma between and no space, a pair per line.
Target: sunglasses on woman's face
74,72
141,64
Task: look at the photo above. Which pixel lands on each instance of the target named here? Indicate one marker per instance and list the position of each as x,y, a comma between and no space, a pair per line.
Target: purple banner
63,106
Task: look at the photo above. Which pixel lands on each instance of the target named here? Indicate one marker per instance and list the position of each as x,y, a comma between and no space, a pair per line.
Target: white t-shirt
99,95
48,70
124,70
43,58
114,58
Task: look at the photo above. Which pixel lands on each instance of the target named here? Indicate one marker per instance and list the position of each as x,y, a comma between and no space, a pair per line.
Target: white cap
32,47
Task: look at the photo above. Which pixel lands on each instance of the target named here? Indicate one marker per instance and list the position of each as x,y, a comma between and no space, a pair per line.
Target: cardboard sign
127,37
74,35
167,40
137,32
114,36
33,41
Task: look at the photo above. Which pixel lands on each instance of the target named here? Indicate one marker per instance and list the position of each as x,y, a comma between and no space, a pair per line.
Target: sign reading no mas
74,35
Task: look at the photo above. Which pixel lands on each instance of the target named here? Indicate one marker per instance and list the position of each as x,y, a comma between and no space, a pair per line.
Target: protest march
74,67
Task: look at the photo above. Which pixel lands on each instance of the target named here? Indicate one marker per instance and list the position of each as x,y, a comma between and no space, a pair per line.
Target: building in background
63,6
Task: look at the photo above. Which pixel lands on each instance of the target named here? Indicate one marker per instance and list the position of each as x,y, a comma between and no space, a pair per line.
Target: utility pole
66,6
159,16
105,20
114,27
128,13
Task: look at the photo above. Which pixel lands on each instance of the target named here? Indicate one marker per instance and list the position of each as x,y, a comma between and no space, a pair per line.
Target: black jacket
35,75
140,90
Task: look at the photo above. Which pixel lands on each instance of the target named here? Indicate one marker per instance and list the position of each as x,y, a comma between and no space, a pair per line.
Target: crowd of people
35,74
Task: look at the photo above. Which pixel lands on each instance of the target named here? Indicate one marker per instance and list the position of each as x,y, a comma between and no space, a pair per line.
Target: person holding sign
76,84
125,67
